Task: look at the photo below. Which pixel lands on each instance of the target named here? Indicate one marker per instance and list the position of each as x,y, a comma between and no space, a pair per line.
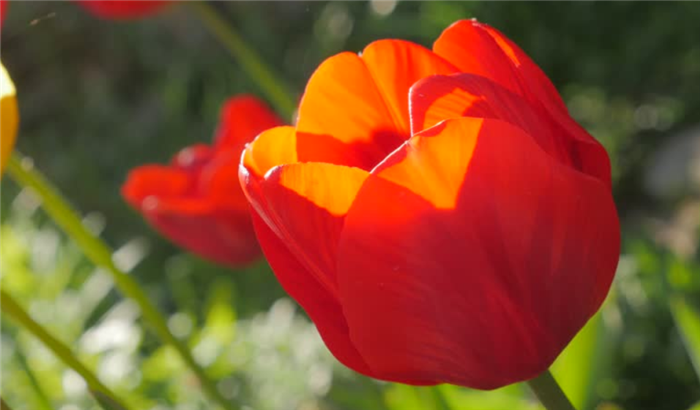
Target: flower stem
22,171
42,398
11,308
250,61
549,393
3,405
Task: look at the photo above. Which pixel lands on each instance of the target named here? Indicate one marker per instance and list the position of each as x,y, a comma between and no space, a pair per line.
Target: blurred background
99,97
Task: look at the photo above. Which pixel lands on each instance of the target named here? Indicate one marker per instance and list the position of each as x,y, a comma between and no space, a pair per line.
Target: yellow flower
9,116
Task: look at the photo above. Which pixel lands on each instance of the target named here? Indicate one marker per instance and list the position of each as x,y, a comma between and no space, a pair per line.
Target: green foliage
688,321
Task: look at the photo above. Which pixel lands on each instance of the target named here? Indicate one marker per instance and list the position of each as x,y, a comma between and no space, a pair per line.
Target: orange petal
396,65
521,260
355,108
276,146
342,114
434,168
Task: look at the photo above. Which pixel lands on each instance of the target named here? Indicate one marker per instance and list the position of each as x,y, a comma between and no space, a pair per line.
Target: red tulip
3,10
438,214
196,201
123,9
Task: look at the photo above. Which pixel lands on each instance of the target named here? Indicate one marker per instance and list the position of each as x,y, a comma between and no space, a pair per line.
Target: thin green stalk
101,255
11,308
3,405
38,390
249,60
549,393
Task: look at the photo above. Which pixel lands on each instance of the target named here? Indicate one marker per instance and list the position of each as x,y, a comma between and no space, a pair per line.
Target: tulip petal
273,147
242,118
305,206
437,98
396,65
220,235
155,180
323,308
201,224
198,176
342,116
298,224
219,180
3,10
122,9
482,279
477,48
355,108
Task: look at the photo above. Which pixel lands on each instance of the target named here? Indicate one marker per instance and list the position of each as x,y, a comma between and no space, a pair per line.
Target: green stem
40,394
101,255
251,63
549,393
3,405
11,308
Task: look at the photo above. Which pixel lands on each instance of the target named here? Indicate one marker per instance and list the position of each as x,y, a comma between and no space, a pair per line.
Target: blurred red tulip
3,10
438,214
197,201
123,9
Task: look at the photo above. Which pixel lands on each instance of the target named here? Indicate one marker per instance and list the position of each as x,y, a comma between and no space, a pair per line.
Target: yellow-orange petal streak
276,146
433,164
395,66
9,116
438,98
306,204
329,187
342,102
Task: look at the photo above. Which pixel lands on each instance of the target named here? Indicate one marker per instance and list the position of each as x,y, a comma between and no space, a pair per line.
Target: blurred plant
274,360
101,255
123,9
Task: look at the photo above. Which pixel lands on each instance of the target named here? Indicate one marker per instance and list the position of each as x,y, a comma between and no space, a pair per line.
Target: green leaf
575,367
401,396
105,401
696,406
449,397
511,397
687,320
13,310
583,362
